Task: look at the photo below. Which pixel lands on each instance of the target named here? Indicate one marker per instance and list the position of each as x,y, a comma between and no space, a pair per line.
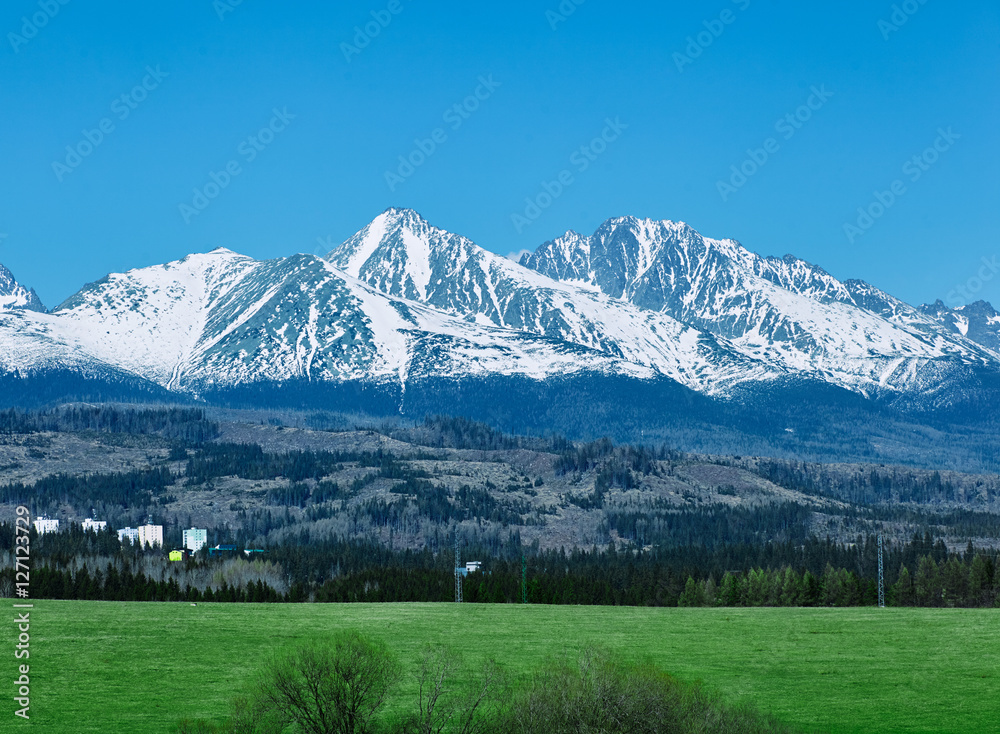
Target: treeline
635,580
813,573
183,424
137,488
824,572
953,583
871,485
604,453
250,461
78,564
663,525
129,585
456,432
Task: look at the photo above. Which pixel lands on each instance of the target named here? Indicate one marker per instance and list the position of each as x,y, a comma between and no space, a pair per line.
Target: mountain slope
13,295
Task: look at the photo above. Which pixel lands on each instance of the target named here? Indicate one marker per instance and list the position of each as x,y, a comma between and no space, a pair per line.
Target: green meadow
140,667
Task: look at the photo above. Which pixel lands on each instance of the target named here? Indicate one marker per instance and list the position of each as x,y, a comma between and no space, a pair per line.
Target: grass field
134,667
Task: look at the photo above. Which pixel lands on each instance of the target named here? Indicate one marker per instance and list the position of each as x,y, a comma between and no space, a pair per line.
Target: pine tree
693,596
979,581
926,584
902,592
729,591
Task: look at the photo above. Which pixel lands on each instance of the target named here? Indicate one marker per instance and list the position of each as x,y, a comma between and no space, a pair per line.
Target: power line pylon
458,570
881,577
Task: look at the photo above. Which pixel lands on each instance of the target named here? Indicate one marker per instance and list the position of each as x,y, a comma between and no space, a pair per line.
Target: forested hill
306,497
405,486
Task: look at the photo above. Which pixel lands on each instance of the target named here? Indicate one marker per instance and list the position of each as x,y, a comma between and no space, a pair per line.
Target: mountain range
403,302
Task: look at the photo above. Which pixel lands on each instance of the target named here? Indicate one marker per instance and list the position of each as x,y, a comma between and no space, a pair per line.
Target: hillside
407,487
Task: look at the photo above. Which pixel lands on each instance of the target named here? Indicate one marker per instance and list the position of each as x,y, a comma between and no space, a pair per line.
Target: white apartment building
151,535
45,524
131,534
195,539
93,525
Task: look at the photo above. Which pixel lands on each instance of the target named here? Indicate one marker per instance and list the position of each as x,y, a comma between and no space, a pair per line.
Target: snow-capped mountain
223,319
783,312
403,301
400,254
13,295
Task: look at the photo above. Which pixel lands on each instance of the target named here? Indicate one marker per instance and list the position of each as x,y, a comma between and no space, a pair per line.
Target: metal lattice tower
458,570
881,578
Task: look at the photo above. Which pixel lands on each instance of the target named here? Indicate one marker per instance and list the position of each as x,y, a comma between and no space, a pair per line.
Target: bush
341,688
602,693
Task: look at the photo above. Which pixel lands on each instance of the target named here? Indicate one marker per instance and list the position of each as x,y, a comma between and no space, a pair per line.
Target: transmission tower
524,579
458,570
881,579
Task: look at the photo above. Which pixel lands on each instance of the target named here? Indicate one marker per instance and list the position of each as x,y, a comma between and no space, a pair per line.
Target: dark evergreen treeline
250,461
136,488
185,424
819,573
678,579
871,485
129,585
457,432
663,525
816,572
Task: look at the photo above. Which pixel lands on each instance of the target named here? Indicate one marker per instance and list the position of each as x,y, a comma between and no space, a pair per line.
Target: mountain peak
404,213
619,253
979,306
401,254
13,295
977,321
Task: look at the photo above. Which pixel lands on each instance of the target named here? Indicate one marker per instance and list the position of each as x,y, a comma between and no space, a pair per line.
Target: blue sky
310,117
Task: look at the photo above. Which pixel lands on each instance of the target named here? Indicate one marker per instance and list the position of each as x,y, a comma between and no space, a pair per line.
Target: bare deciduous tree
450,702
331,689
